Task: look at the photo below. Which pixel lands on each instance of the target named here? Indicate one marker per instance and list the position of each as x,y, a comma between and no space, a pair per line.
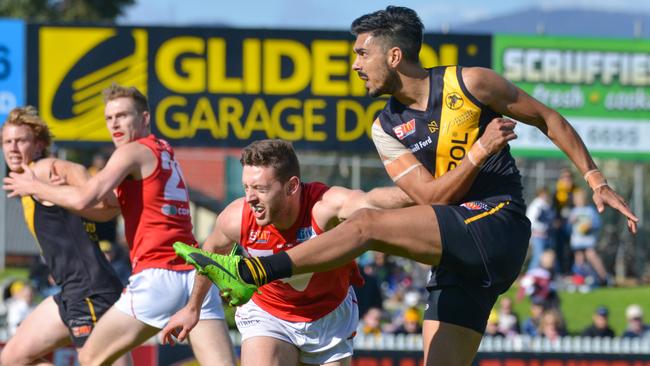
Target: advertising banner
12,60
599,85
414,358
70,66
219,87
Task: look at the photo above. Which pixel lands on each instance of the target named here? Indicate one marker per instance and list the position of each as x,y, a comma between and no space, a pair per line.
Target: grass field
578,308
14,272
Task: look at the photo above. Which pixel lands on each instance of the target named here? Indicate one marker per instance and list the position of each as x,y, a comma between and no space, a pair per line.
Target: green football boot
221,270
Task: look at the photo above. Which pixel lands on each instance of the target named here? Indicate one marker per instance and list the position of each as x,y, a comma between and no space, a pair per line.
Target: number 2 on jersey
172,190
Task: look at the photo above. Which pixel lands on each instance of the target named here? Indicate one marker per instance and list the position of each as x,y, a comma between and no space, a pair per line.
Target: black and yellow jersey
441,136
69,246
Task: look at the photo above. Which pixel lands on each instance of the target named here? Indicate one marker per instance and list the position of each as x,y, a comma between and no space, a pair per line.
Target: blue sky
338,14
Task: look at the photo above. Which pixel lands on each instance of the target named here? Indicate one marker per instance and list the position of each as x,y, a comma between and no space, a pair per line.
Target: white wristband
471,159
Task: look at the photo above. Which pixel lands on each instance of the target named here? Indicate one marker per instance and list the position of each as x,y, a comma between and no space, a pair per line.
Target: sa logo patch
405,129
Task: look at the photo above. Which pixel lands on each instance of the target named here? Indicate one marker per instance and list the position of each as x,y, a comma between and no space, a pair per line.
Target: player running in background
154,201
68,243
306,319
470,222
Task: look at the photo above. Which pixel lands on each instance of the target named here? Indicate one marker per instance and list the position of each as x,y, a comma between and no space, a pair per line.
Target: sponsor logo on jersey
421,144
248,323
259,236
285,246
454,100
433,126
81,331
171,210
304,234
475,205
405,129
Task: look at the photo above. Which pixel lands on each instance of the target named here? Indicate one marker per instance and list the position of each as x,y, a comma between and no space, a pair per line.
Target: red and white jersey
156,212
306,297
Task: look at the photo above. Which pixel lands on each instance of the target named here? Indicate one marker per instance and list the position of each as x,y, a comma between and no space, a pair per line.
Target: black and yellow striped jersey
68,243
441,136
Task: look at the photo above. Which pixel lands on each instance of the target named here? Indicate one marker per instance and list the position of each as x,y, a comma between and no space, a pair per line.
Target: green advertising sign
600,85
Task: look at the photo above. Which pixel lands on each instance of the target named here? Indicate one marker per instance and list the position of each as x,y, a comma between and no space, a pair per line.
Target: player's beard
390,84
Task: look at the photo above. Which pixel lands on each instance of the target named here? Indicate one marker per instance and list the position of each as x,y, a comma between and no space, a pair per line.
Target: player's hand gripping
495,137
20,184
497,134
180,325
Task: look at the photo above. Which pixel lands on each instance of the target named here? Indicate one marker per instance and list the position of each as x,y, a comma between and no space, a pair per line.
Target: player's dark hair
397,26
28,116
117,91
278,154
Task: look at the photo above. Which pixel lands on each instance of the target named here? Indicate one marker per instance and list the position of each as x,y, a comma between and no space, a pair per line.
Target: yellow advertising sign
76,64
220,87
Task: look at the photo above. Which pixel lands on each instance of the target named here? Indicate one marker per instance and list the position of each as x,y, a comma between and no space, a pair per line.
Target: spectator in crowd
98,163
531,325
541,217
369,295
384,268
551,325
539,283
508,319
636,328
492,327
19,304
562,204
370,324
600,324
410,323
39,275
585,223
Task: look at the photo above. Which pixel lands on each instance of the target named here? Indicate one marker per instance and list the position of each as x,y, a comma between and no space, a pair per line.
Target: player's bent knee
85,357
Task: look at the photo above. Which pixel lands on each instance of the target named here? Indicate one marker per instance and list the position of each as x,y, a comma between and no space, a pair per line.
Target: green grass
578,308
14,272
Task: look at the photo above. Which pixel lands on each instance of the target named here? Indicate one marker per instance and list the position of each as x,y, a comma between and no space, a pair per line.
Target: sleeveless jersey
156,212
440,137
306,297
68,243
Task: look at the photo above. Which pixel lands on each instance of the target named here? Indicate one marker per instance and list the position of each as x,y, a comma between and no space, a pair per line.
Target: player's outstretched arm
506,98
126,160
224,234
74,174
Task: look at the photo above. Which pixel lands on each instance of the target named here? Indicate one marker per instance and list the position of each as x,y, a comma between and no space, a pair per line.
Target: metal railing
519,343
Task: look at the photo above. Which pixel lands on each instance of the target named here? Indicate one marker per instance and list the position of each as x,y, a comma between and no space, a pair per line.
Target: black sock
262,270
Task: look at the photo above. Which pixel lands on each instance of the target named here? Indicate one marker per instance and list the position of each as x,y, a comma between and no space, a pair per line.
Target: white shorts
155,294
327,339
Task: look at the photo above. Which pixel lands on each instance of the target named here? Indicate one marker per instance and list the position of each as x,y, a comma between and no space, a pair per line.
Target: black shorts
80,315
484,244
